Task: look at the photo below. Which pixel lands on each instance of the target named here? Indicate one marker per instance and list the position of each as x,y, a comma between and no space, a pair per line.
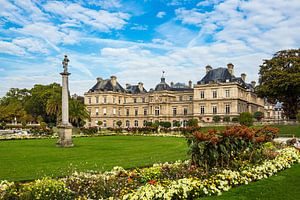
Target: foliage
298,116
77,112
246,119
226,119
165,124
89,130
258,115
229,148
119,123
192,123
216,118
2,125
176,123
235,119
280,80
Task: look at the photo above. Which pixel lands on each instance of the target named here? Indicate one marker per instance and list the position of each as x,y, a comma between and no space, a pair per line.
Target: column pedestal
65,136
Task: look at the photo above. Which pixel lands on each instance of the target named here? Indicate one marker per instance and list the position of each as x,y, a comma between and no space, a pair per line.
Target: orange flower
152,182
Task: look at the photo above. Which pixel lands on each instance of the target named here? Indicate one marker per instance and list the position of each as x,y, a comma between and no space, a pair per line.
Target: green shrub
192,123
226,119
235,119
258,115
176,123
2,125
119,123
46,189
246,119
165,124
216,119
298,116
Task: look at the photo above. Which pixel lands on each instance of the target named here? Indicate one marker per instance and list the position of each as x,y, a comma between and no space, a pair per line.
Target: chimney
141,86
208,68
230,67
172,84
99,79
127,85
113,80
253,83
190,84
243,76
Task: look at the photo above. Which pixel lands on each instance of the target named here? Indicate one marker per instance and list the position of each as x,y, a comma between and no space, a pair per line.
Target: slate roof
216,75
180,87
134,89
162,85
106,85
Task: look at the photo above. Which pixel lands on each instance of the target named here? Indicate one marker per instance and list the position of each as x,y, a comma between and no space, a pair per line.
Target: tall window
114,111
202,94
227,109
114,99
127,123
156,111
214,109
136,123
97,111
97,99
227,93
180,98
145,111
214,94
119,100
185,111
89,100
202,110
191,98
104,111
104,123
124,100
174,111
136,112
143,99
119,112
104,100
134,100
144,122
127,112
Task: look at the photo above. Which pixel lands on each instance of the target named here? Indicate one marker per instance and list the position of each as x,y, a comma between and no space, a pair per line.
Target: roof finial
163,74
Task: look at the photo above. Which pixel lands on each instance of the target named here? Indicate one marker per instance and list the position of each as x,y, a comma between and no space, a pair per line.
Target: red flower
152,182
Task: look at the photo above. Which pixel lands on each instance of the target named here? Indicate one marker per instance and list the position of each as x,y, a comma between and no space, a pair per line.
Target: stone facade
218,93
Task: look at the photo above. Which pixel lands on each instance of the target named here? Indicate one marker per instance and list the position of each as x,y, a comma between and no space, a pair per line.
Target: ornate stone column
65,128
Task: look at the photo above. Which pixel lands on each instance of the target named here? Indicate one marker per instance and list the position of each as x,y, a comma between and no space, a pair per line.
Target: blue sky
137,40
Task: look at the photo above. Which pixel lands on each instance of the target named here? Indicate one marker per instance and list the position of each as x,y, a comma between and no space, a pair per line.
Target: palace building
218,93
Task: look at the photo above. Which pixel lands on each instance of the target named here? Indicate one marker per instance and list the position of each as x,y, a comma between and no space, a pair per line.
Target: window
145,111
185,111
136,112
227,109
89,111
97,99
174,111
127,112
104,111
104,123
90,100
119,112
97,111
202,94
156,111
180,98
145,123
119,100
114,111
202,110
136,123
127,123
214,94
143,99
227,93
124,100
114,99
104,100
214,109
134,100
191,98
114,123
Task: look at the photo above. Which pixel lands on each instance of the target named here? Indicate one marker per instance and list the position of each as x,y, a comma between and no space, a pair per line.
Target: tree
99,123
165,124
216,118
246,119
280,80
226,119
258,115
119,123
192,123
77,112
176,123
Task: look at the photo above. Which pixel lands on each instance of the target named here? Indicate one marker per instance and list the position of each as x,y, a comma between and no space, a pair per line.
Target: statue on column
65,64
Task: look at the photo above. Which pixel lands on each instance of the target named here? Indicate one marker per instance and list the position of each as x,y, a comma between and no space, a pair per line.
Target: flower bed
179,180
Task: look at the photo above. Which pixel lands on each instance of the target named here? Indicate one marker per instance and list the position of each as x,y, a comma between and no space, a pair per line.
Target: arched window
144,122
127,123
104,123
136,123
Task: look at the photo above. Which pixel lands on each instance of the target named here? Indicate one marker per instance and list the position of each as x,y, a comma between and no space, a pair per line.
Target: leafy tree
235,119
176,123
165,124
216,118
280,80
119,123
298,116
246,119
226,119
192,123
99,123
258,115
77,112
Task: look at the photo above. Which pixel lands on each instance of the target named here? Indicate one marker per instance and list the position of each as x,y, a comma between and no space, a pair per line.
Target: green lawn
285,185
30,159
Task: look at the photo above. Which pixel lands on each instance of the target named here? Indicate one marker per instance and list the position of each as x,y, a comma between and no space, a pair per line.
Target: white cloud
31,45
160,14
10,48
139,27
101,20
106,4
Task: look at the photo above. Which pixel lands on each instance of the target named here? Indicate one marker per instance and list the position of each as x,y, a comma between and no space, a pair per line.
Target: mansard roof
162,85
106,85
217,75
135,89
180,87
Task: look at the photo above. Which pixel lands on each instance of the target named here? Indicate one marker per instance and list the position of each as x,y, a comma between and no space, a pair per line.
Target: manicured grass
285,185
31,159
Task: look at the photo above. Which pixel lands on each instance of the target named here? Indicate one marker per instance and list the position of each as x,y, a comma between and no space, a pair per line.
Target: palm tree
77,112
53,106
